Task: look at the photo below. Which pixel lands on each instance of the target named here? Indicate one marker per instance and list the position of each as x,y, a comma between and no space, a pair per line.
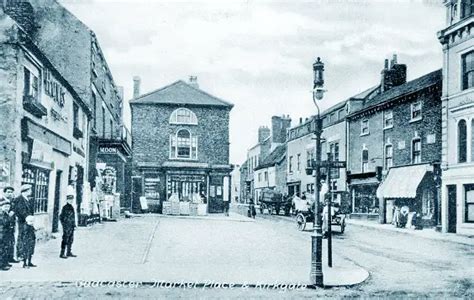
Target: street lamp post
316,274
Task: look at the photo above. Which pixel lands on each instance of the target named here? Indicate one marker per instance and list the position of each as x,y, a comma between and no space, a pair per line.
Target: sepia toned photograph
236,149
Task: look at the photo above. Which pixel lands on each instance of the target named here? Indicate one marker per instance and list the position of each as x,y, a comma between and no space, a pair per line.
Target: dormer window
183,116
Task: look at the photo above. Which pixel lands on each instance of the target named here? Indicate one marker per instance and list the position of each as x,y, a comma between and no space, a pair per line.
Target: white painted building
458,118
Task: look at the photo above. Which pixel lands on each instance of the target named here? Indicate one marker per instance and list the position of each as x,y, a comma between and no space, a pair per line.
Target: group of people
17,216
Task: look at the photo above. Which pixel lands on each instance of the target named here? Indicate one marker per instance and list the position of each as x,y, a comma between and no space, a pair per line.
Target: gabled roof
180,93
273,158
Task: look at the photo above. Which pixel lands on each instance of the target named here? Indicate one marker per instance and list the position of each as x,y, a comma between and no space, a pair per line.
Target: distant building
458,118
235,184
271,172
268,140
181,145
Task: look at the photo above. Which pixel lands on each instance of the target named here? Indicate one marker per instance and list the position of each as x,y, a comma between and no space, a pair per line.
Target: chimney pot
386,64
193,81
301,120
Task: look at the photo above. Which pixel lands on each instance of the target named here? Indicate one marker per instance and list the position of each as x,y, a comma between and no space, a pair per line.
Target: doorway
57,201
452,208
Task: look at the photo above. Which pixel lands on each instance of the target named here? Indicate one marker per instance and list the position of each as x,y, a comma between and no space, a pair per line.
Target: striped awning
402,182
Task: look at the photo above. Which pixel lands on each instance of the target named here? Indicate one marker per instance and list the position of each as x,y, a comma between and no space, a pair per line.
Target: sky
258,55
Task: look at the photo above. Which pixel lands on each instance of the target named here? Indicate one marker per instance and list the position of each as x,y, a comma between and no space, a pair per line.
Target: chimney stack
136,86
280,126
193,82
393,75
263,133
22,12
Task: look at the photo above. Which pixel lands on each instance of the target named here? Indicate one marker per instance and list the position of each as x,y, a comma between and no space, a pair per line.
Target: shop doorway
452,208
57,201
79,188
136,193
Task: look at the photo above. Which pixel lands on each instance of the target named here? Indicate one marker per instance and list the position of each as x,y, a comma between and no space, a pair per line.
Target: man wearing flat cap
23,207
68,221
10,230
4,225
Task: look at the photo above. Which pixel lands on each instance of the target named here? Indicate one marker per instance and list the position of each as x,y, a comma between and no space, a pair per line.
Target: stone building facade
45,126
74,50
181,146
458,122
394,151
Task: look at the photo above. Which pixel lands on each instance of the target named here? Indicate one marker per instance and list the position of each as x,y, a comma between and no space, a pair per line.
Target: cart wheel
300,222
343,226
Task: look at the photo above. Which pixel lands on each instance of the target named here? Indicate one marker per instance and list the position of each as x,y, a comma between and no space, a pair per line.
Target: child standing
28,242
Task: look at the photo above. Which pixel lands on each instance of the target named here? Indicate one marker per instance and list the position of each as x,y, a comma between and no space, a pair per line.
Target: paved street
238,250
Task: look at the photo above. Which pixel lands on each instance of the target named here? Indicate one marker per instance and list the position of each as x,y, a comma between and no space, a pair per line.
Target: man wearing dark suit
23,206
68,221
10,231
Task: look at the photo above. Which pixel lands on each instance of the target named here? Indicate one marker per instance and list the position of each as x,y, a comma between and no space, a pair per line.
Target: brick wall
372,141
151,131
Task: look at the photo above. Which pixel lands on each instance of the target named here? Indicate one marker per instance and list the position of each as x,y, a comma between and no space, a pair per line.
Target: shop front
363,191
409,190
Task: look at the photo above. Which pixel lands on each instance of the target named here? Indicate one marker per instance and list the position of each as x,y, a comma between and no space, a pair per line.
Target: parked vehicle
274,201
307,216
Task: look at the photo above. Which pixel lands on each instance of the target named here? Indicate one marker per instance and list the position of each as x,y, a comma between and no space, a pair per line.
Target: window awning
402,182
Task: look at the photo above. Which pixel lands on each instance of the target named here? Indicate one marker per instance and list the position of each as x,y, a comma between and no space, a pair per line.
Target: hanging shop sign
107,150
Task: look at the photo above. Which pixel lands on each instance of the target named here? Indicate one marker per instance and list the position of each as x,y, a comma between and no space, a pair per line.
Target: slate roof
407,88
180,92
273,158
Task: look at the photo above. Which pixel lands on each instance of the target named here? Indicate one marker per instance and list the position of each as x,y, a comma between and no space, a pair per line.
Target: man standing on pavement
4,227
23,206
68,221
10,233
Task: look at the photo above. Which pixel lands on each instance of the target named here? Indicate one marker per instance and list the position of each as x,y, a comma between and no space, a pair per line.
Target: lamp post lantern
316,274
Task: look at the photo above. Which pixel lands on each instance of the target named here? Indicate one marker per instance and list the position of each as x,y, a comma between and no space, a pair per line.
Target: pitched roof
412,86
273,158
180,92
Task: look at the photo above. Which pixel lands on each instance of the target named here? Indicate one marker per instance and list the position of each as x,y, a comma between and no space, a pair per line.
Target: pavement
428,233
215,248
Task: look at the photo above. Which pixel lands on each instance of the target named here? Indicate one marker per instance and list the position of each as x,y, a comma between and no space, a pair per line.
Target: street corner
345,276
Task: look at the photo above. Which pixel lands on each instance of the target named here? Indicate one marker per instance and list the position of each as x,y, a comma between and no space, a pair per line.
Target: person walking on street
23,206
68,221
28,242
10,233
4,225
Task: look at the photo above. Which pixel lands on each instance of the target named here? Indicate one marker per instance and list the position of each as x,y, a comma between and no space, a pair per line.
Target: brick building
458,121
74,50
394,139
45,125
180,145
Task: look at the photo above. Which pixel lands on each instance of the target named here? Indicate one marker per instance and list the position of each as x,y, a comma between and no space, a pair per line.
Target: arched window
462,141
183,116
183,145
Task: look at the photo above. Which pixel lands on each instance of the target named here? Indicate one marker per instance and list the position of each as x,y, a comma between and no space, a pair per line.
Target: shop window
365,160
388,156
467,8
39,180
468,70
469,203
462,141
387,119
364,127
416,111
427,204
183,116
416,151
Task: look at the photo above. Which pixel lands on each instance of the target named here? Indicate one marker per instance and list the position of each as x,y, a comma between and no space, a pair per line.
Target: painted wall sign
108,150
53,89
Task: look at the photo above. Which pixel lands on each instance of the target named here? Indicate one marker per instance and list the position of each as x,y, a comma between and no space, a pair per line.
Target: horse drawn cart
304,214
274,201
